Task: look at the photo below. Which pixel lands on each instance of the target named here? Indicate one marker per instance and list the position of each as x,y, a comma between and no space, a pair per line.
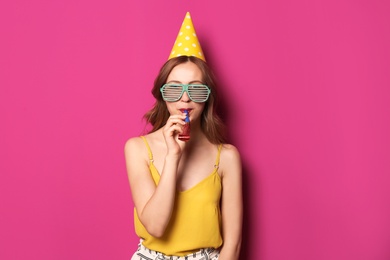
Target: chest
193,168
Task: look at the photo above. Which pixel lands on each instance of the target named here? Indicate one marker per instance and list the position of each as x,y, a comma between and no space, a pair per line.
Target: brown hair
211,123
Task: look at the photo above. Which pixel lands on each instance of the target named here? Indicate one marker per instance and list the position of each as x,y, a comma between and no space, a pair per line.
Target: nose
185,97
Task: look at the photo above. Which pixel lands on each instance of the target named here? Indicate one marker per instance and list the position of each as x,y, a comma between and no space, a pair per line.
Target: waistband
145,253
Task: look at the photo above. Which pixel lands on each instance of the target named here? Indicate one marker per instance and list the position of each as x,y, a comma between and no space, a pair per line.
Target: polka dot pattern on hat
187,42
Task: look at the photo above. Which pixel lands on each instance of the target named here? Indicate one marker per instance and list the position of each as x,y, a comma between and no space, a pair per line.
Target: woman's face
186,73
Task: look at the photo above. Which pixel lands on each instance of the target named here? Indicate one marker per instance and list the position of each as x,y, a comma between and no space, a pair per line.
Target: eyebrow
191,82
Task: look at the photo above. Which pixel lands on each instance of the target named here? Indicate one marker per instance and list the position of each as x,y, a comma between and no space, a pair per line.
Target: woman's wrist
172,157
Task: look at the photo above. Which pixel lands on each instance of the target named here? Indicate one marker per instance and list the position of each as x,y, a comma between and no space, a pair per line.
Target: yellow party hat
187,42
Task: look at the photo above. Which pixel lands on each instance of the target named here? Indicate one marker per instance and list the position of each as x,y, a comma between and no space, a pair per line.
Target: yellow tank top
196,219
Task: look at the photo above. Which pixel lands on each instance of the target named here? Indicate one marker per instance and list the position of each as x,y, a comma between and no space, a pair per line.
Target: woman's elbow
155,226
155,230
156,233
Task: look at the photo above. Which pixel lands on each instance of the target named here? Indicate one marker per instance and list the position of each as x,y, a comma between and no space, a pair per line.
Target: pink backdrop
306,97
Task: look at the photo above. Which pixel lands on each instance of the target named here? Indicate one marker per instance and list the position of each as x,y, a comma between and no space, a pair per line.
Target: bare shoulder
230,151
136,150
133,144
137,160
230,160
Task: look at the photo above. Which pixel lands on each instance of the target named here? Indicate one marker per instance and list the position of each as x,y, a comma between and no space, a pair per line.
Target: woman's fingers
176,119
174,125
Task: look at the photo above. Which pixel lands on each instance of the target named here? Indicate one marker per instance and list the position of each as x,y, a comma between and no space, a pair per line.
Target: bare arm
232,204
154,204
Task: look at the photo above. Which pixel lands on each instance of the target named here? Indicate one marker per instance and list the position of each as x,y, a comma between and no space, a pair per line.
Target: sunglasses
172,92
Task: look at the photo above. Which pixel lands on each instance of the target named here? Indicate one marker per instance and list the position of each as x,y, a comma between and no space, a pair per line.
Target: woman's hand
171,130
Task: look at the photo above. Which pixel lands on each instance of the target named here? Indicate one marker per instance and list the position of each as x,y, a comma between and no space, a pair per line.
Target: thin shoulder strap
149,150
218,156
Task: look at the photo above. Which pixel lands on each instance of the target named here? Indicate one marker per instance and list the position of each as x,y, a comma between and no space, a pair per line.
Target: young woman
187,194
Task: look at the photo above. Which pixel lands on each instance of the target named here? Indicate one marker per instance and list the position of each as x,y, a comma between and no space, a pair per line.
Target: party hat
187,42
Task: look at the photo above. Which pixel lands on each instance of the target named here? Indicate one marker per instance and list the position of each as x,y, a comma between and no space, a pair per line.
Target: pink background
306,98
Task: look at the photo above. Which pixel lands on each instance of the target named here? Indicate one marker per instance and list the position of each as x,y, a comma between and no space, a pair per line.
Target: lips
184,109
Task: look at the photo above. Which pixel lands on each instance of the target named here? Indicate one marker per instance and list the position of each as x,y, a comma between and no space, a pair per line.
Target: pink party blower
185,136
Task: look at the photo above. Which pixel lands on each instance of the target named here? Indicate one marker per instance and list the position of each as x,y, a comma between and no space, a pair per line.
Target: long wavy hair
211,123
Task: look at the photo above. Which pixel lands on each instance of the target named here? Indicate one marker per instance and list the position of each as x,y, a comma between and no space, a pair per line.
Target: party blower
185,136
